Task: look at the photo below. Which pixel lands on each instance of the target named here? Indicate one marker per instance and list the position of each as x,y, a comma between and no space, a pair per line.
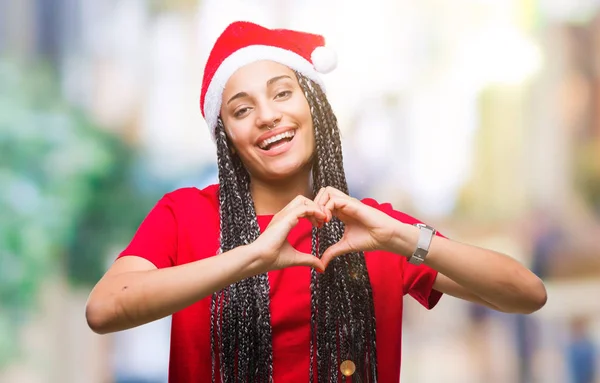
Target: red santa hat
243,43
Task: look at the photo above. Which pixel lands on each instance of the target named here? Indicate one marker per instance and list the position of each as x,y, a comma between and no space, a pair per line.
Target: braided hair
342,319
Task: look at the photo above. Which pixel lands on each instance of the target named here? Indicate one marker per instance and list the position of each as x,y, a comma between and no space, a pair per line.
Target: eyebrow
269,82
275,79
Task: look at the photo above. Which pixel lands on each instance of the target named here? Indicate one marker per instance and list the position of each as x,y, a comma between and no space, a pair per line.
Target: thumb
304,259
333,251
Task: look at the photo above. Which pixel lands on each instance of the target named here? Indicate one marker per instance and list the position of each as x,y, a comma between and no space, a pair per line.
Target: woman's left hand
366,228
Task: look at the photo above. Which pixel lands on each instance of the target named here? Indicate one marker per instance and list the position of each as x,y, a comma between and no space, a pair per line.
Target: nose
268,115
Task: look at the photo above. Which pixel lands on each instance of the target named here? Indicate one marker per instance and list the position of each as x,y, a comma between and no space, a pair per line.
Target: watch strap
426,234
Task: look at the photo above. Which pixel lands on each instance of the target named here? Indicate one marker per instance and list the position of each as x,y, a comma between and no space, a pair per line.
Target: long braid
241,326
342,312
344,290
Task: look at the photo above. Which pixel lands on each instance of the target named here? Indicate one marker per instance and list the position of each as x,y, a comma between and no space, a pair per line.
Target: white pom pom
324,59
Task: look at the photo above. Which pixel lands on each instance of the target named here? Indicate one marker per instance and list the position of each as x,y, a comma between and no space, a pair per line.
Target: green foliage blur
68,197
587,173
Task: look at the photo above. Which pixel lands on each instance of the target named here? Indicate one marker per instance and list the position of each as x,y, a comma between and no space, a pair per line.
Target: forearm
130,299
492,276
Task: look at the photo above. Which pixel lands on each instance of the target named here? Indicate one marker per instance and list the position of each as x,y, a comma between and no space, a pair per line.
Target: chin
279,172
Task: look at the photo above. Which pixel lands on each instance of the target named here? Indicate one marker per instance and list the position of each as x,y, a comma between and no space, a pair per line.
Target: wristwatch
426,233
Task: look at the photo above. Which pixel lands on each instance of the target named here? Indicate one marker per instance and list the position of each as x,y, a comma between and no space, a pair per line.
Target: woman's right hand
274,250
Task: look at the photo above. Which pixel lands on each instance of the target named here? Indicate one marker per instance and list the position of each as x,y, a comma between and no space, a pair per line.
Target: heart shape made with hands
366,228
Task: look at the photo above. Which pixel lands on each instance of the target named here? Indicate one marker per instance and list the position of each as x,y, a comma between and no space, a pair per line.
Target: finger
336,203
290,217
297,201
334,251
315,220
300,201
311,218
330,193
309,211
319,194
322,203
304,259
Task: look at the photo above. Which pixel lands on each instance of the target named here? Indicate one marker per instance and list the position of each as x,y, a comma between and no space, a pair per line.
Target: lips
260,142
276,140
279,148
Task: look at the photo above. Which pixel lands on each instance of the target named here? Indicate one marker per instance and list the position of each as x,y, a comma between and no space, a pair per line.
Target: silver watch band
426,234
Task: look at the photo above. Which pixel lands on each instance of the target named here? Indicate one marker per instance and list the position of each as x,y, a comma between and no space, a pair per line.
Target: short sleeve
417,281
156,237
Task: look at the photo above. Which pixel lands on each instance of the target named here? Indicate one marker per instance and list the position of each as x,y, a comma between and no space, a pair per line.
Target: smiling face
268,120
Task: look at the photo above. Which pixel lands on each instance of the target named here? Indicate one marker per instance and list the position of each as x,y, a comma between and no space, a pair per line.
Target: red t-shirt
183,227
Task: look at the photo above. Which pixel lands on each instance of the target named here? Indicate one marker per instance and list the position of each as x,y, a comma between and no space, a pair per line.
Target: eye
283,94
240,112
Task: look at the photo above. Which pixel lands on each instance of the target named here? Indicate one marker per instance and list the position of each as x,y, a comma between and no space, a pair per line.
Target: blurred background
481,117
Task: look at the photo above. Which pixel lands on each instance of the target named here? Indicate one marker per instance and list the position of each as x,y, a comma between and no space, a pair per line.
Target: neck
272,196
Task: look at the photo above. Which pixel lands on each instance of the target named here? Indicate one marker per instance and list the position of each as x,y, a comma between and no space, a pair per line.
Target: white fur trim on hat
244,56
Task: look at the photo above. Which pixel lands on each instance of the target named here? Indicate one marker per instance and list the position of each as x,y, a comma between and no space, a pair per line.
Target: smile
277,140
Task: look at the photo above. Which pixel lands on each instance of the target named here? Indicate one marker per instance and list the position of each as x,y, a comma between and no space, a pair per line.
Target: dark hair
342,312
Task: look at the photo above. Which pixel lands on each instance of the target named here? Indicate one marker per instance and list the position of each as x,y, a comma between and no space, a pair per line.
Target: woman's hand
366,228
275,252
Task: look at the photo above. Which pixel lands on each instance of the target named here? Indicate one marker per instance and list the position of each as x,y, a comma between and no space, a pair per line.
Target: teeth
268,141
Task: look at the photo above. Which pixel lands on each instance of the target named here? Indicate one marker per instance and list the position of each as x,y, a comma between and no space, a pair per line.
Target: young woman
276,273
